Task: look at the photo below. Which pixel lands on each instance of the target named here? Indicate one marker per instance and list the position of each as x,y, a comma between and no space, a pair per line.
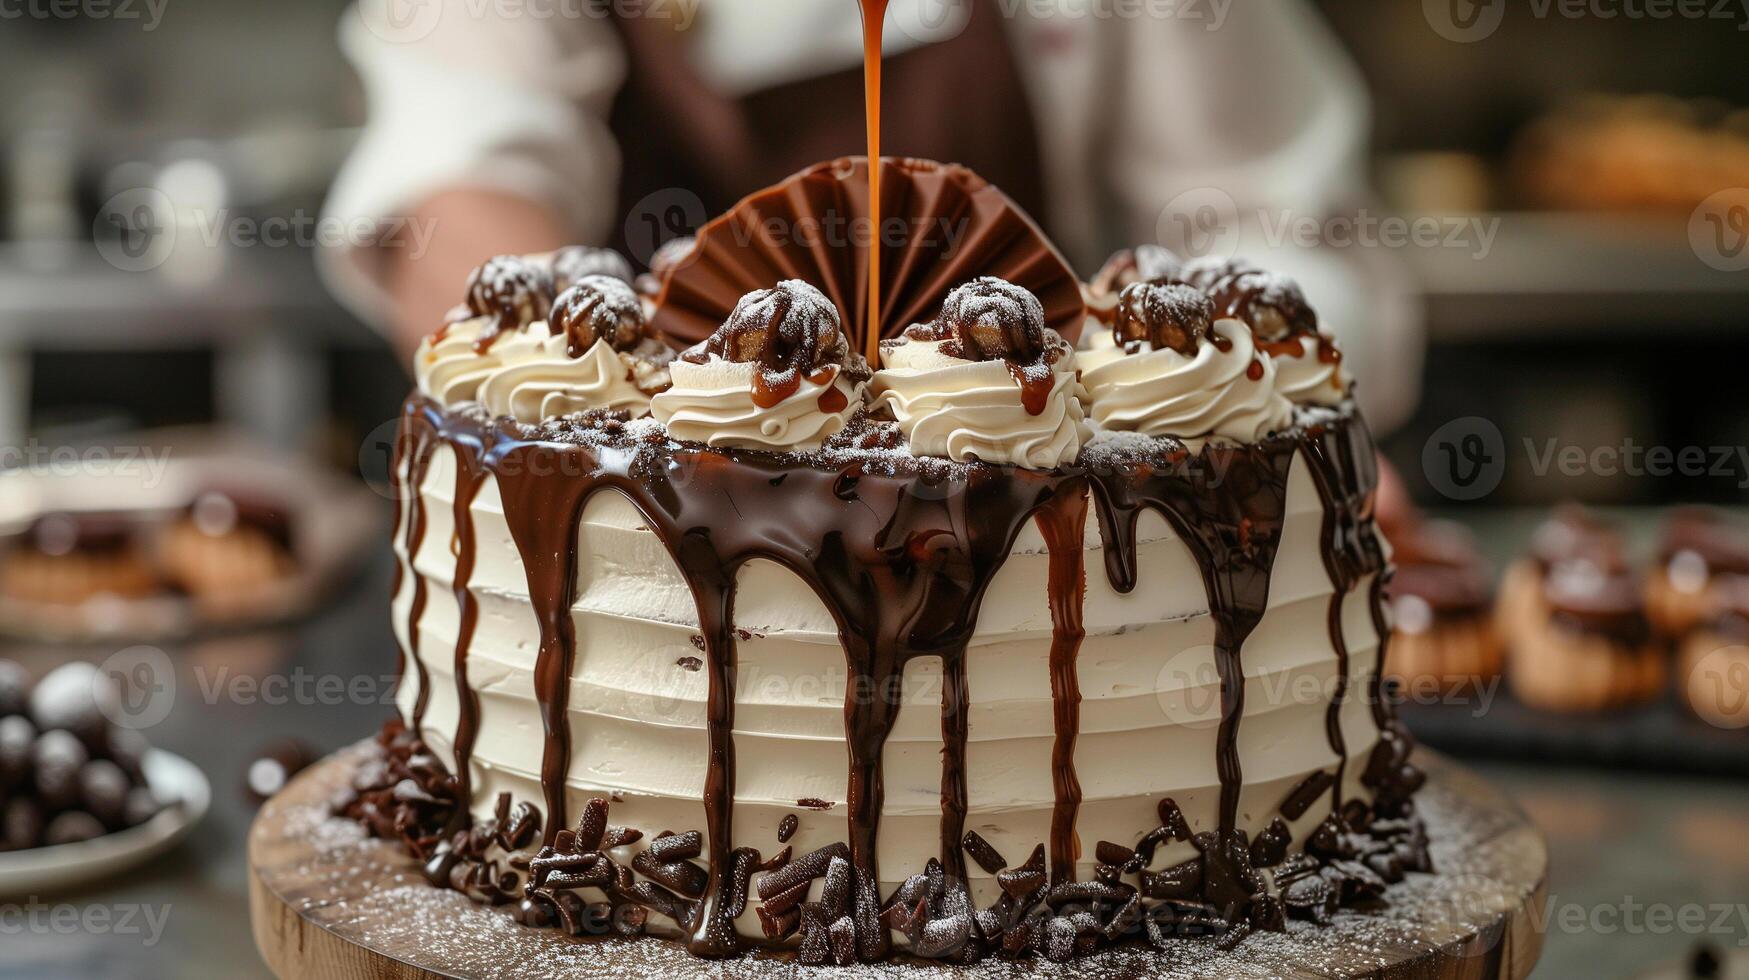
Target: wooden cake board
329,903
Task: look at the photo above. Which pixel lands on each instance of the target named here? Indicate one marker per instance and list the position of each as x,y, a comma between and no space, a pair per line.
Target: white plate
177,782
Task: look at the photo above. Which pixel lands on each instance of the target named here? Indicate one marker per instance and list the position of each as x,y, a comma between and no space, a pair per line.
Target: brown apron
962,100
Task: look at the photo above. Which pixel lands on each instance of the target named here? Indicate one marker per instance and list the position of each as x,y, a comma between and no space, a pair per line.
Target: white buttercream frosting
529,376
1306,378
948,406
1227,389
1147,678
713,403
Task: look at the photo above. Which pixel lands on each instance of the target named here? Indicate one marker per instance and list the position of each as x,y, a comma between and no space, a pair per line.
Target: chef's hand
468,225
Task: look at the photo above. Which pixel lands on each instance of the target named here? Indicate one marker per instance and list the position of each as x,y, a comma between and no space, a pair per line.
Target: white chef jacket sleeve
457,96
1261,114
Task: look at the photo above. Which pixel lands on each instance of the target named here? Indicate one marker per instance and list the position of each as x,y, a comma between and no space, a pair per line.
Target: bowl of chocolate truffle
82,797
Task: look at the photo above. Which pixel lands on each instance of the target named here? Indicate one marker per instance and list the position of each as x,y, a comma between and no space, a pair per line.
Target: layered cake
963,623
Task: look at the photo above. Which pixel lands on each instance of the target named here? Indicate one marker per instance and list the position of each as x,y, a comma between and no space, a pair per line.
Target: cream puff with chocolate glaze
1700,547
985,381
66,559
1168,368
1594,649
1442,604
1571,532
778,375
228,549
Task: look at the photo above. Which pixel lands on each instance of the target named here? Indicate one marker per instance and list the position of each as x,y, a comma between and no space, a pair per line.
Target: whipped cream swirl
713,402
529,376
949,406
1226,390
1308,371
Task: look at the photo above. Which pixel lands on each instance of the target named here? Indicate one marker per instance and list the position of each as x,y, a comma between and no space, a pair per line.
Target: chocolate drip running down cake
1014,643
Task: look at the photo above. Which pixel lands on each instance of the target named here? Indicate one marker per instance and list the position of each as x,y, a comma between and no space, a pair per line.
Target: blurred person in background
521,128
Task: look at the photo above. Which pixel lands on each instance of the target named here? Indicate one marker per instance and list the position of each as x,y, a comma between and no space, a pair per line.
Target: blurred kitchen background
1601,312
1589,316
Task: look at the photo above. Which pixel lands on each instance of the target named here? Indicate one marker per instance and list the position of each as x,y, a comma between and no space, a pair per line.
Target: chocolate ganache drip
599,307
513,291
902,558
790,331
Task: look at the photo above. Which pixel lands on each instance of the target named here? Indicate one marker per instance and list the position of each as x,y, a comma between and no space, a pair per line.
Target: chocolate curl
550,861
742,862
1172,818
816,946
1179,882
1113,855
835,895
988,858
779,926
682,877
786,901
677,847
1023,881
787,828
843,941
1087,892
1271,846
803,869
620,837
777,860
662,901
592,825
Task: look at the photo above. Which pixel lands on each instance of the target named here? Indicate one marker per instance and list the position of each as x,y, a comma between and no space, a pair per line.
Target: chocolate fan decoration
813,227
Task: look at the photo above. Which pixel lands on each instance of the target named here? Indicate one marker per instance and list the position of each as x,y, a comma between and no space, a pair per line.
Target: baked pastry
1570,533
1700,547
845,658
228,548
1593,649
1442,600
1712,669
68,558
